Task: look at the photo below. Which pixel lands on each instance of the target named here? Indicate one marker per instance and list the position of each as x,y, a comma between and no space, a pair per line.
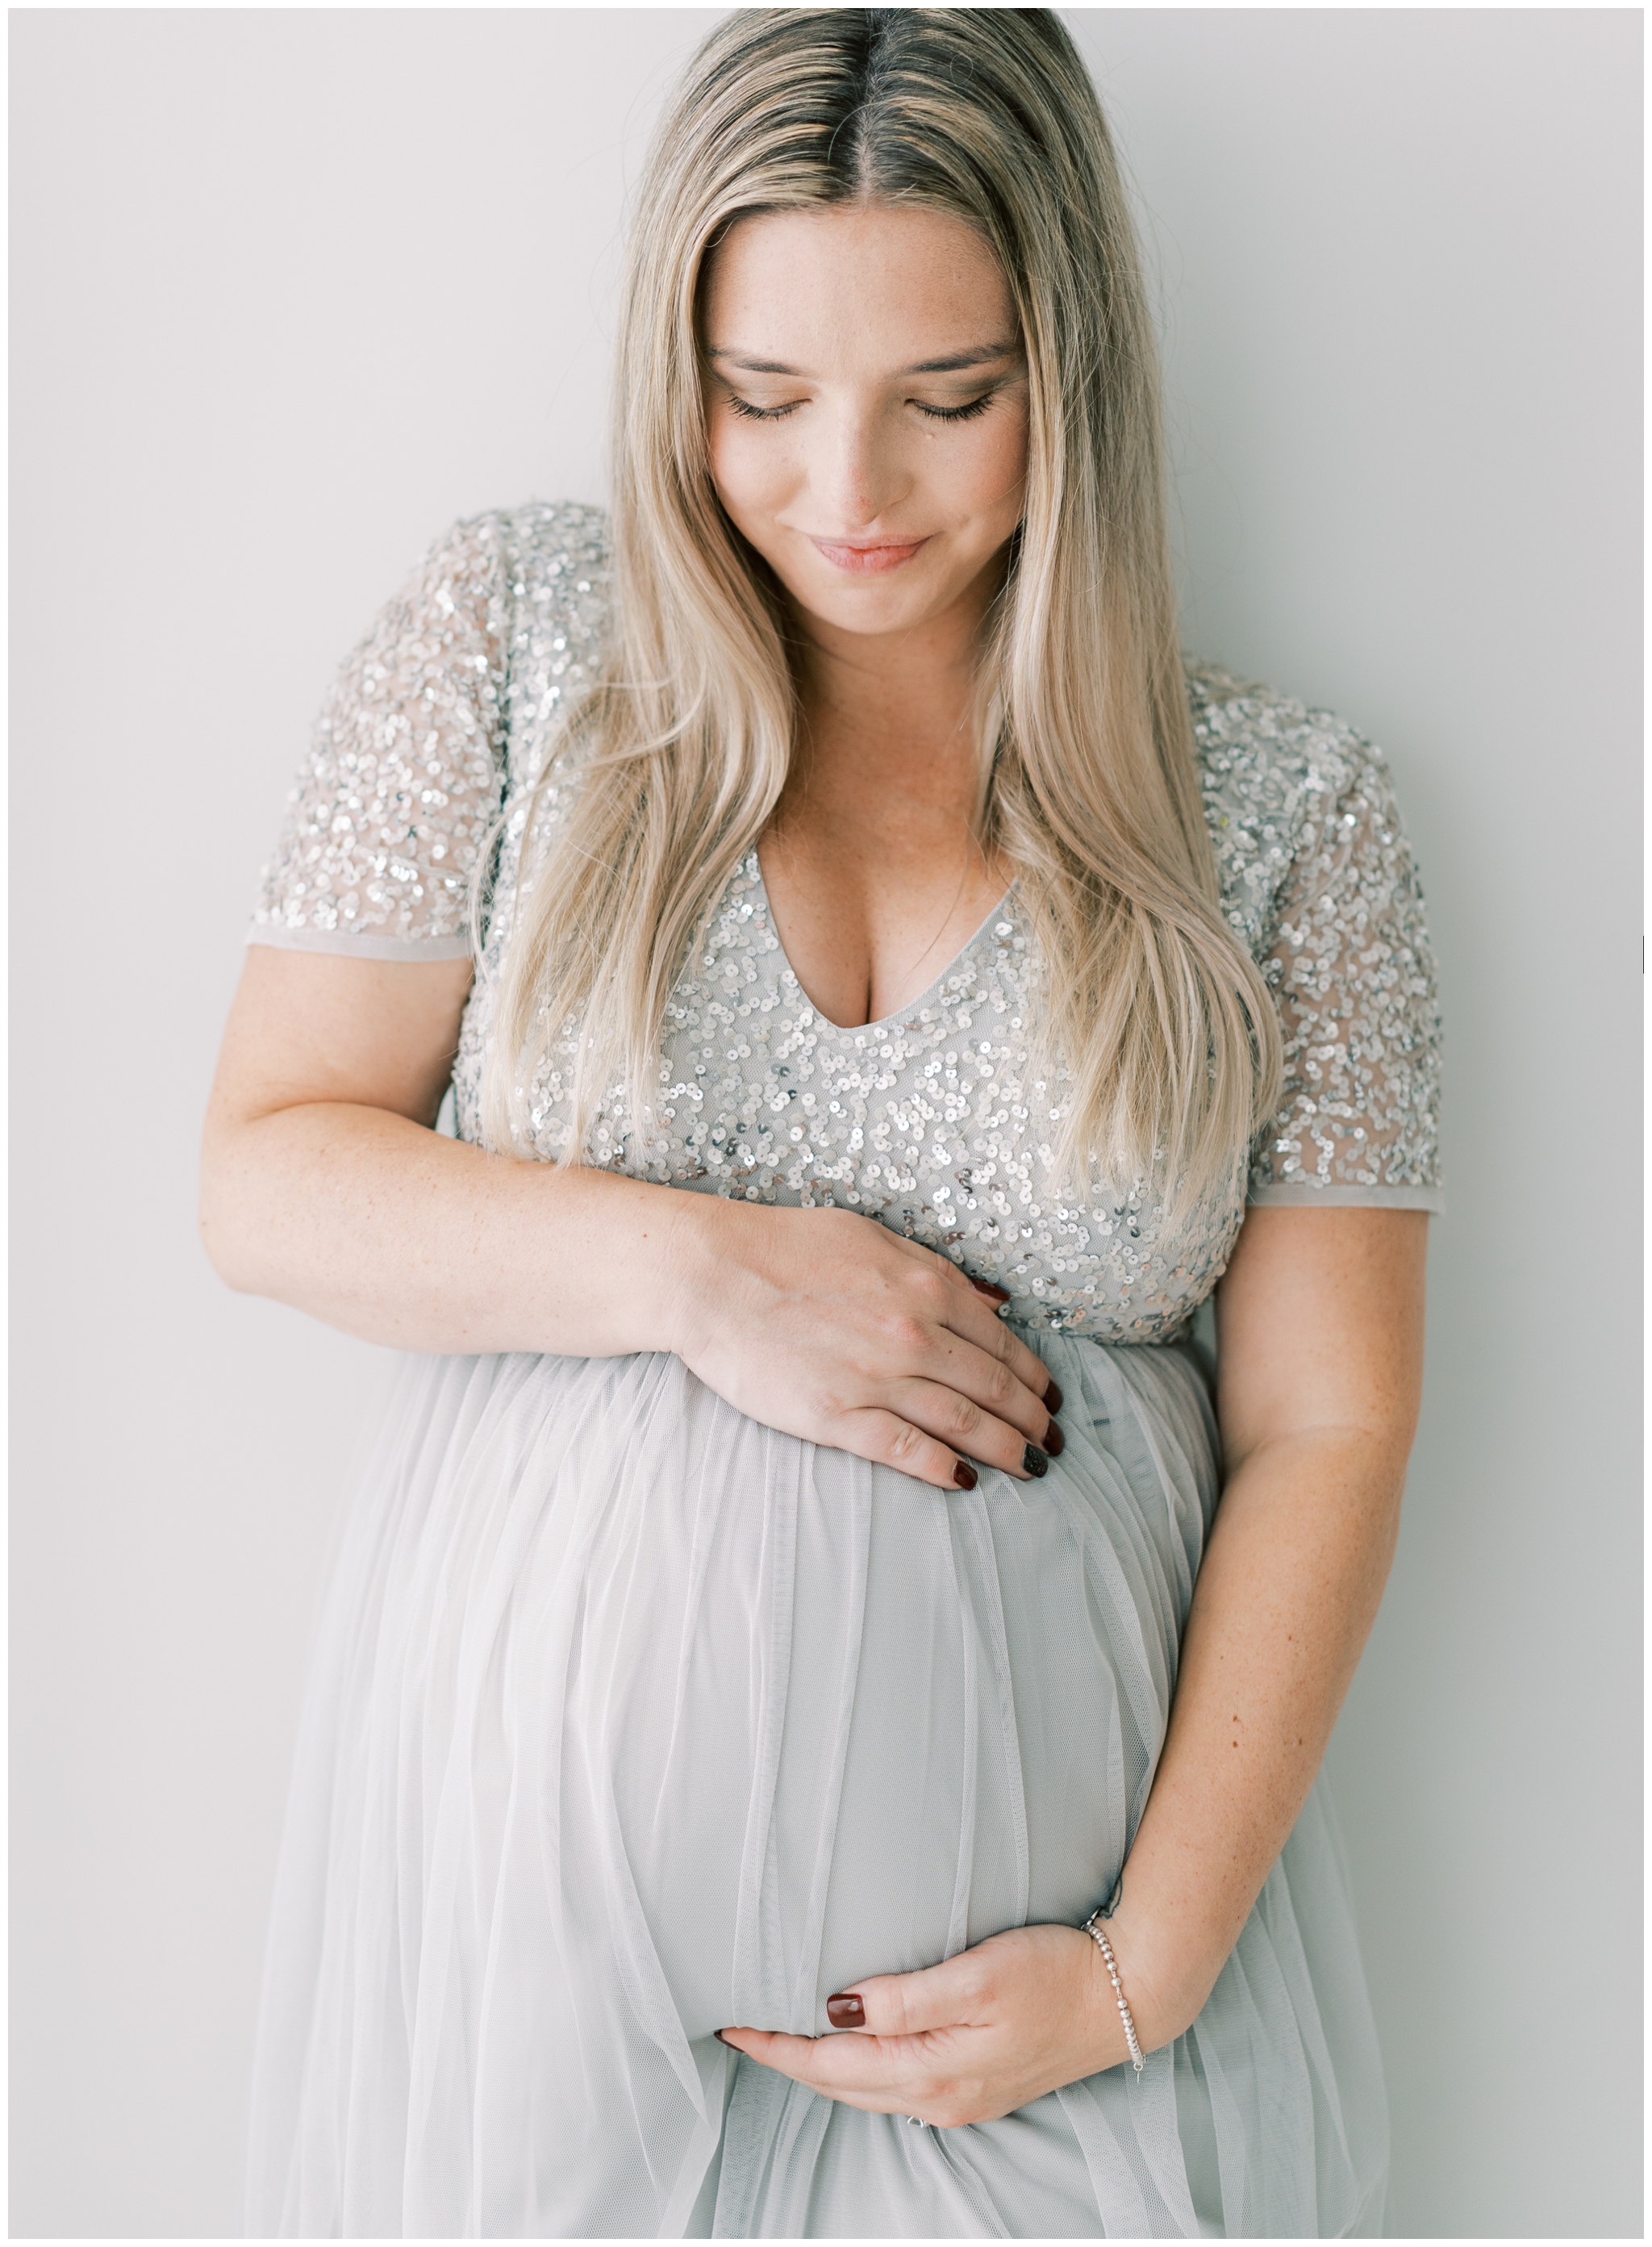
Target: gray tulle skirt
630,1719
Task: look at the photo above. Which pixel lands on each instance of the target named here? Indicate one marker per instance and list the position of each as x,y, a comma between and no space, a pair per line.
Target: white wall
292,289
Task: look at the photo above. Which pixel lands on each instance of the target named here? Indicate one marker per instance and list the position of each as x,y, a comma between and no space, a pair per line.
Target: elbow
221,1223
1349,1474
222,1256
225,1252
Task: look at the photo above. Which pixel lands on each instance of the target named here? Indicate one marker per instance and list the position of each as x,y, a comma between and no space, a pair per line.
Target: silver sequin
935,1121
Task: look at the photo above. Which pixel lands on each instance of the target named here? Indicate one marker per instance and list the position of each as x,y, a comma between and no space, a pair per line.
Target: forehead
854,278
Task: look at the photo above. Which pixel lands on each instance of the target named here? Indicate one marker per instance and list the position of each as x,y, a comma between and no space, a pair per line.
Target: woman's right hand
324,1186
829,1326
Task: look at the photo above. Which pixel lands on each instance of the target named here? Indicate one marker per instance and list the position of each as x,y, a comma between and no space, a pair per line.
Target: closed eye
957,412
750,413
762,413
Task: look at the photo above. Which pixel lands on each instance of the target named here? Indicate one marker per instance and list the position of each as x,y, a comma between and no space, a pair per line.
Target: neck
893,704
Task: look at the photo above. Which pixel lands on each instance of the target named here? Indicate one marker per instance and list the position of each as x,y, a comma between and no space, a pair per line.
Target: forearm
1290,1583
397,1234
1295,1569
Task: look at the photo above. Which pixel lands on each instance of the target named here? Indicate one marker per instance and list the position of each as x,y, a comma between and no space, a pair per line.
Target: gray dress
630,1718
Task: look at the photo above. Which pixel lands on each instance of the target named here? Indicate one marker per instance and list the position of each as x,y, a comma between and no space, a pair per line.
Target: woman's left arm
1320,1374
1319,1321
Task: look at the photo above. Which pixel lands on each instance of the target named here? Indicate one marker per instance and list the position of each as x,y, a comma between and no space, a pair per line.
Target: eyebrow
954,362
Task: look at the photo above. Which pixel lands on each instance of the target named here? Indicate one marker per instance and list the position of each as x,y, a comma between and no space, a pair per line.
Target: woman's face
866,406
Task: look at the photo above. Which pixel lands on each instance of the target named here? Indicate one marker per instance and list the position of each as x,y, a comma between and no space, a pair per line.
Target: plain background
292,290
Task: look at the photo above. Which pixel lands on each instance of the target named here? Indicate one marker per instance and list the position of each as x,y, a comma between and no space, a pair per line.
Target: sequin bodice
935,1122
931,1122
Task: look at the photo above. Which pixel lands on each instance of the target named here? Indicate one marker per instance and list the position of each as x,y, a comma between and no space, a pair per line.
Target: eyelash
958,413
932,413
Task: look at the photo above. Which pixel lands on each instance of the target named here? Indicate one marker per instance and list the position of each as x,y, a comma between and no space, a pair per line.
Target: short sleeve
402,785
1352,971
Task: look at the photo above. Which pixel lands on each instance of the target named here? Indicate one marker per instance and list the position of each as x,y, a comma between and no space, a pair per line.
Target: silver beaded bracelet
1098,1937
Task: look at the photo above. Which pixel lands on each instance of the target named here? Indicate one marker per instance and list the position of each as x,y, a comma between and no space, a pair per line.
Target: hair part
1152,1016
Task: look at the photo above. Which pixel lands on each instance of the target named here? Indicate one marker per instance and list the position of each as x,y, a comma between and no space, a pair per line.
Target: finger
956,1994
964,1306
991,1381
995,1295
957,1420
1002,1343
978,1384
973,1315
887,2078
886,1439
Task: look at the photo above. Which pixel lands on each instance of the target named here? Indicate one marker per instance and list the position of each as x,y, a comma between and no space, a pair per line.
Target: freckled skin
870,873
870,863
853,298
324,1186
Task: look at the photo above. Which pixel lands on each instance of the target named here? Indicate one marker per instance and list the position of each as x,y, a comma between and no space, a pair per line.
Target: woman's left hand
988,2031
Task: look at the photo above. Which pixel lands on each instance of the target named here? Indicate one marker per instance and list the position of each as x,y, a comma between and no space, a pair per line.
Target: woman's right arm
325,1185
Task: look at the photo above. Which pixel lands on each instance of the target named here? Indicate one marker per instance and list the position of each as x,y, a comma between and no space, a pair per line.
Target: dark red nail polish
993,1295
963,1475
1052,1398
1034,1460
722,2038
1054,1442
846,2012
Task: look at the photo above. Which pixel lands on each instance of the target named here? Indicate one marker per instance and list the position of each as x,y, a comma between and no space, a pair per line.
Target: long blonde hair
1153,1010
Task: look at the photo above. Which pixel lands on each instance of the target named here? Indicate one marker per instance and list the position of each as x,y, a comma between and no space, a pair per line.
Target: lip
874,561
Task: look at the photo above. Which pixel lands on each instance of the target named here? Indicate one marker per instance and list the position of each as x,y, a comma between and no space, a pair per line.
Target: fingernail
1034,1460
1054,1442
846,2012
722,2038
994,1293
1052,1398
963,1475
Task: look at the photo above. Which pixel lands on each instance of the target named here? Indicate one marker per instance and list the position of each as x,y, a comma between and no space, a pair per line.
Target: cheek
977,478
752,473
1000,464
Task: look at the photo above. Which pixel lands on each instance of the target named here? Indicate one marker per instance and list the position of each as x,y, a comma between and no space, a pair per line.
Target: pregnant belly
750,1719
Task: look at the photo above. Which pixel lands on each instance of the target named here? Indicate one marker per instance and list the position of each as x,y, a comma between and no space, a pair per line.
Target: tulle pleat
630,1719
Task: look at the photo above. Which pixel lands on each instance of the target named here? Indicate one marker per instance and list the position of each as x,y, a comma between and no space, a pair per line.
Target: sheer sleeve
403,776
1352,970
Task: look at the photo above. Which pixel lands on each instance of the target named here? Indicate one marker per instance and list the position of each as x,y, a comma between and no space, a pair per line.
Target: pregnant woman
815,1725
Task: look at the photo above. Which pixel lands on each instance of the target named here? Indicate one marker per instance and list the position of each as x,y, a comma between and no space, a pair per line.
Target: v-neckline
884,1022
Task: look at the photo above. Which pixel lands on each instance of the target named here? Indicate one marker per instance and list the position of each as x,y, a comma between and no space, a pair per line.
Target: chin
891,604
869,613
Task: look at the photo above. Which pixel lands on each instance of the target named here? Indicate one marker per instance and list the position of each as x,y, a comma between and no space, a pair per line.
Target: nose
861,477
